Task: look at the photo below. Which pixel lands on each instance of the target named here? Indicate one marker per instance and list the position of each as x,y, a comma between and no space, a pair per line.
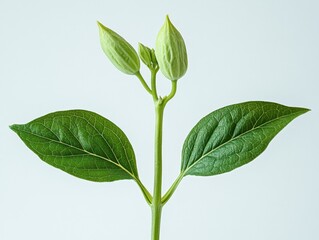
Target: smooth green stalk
147,88
153,84
172,93
157,192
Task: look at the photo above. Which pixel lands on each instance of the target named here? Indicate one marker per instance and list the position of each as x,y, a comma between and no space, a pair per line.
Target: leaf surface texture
81,143
233,136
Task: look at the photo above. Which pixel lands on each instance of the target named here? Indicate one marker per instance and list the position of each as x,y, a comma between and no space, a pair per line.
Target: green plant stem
157,204
153,84
157,194
147,88
172,93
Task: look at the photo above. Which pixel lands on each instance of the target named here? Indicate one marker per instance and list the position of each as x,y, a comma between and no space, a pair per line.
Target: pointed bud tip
167,19
99,23
101,26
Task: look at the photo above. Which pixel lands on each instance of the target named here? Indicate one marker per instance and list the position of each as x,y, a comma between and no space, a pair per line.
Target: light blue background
50,60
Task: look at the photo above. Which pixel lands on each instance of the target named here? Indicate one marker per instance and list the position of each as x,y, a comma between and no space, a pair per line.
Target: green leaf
233,136
81,143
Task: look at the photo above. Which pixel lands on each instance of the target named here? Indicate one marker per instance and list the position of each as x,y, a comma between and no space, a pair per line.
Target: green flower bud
171,51
119,51
145,54
153,57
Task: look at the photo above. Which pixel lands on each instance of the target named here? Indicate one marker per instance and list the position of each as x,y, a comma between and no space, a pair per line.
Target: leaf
81,143
233,136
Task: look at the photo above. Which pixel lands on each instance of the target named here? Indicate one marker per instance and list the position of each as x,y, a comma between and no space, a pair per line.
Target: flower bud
119,51
153,57
171,52
145,54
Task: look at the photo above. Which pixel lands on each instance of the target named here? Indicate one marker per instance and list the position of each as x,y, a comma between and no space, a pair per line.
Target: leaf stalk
172,189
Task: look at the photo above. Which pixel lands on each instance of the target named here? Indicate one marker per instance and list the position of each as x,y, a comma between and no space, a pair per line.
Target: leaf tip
14,127
303,110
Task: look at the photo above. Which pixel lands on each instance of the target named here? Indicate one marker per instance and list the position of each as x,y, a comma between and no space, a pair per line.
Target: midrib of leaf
87,152
242,134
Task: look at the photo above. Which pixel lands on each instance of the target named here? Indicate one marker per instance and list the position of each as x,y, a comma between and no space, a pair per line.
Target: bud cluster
170,54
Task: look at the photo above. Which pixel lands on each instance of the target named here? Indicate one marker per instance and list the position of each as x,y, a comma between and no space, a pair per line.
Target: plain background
50,60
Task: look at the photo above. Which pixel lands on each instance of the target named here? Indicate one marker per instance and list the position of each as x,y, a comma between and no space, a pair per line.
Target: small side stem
153,84
139,76
172,93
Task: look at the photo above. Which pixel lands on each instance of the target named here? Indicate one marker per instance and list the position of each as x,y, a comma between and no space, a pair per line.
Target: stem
157,194
153,84
156,222
172,93
138,74
157,203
